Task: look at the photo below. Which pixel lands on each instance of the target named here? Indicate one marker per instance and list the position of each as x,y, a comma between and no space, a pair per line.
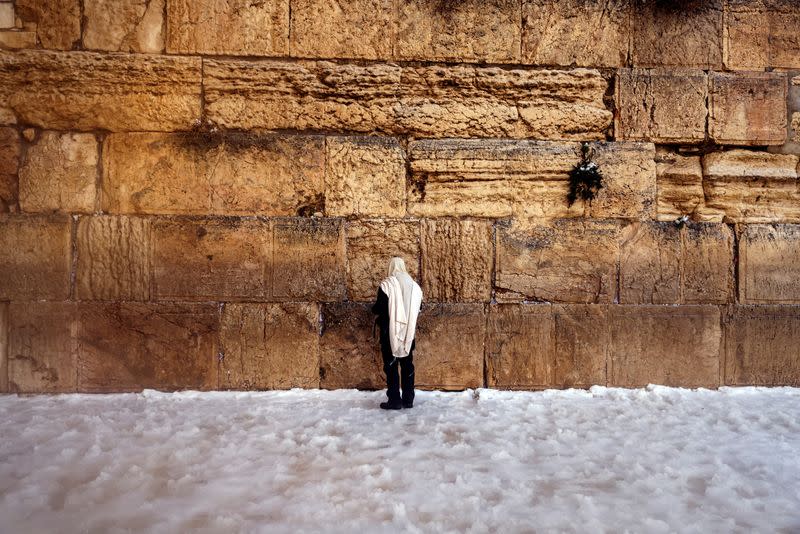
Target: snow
604,460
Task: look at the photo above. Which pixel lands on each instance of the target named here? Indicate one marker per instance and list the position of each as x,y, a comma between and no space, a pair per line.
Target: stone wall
202,194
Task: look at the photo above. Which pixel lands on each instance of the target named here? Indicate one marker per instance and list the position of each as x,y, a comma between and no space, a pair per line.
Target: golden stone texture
582,345
87,91
59,173
520,342
747,108
124,25
9,166
270,346
57,22
769,264
762,33
350,356
680,189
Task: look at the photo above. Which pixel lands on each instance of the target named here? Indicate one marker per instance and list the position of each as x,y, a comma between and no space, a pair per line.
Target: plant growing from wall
585,179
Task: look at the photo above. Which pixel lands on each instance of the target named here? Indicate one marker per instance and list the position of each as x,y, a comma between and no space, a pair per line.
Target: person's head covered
397,265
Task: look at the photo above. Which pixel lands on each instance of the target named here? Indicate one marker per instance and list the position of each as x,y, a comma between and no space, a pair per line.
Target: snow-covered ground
604,460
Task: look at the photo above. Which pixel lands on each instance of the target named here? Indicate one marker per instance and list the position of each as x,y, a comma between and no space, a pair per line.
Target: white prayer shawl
405,299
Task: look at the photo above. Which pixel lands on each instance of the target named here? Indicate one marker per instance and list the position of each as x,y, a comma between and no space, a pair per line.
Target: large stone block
17,40
132,346
761,34
661,263
270,346
35,257
3,347
529,179
747,108
89,91
687,34
784,39
456,260
680,189
350,356
124,25
335,29
668,345
237,27
211,259
449,350
113,258
762,346
364,176
520,341
576,32
309,260
370,246
9,166
471,30
42,347
769,264
59,173
565,261
661,105
57,22
582,343
197,173
429,101
751,186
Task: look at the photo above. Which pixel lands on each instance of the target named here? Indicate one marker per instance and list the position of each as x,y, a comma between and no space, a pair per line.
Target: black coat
381,309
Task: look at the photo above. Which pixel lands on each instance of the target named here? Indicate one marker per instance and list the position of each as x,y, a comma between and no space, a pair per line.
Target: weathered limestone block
58,22
124,25
762,33
235,27
471,30
430,101
126,346
336,29
680,189
309,260
762,346
349,356
564,261
17,40
769,264
582,341
234,174
784,39
502,178
211,259
520,342
661,105
113,258
449,350
89,91
9,166
747,108
370,246
3,347
364,176
41,347
456,260
270,346
752,186
576,32
59,173
35,257
668,345
687,34
7,17
661,263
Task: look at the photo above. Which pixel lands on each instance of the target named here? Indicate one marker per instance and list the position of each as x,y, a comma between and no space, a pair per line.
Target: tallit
405,299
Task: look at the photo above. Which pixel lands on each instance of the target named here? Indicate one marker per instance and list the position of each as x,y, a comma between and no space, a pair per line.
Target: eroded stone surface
9,165
370,245
270,346
87,91
364,176
432,101
762,346
456,260
747,108
769,264
350,357
211,259
58,22
234,174
762,33
680,189
113,258
661,105
236,27
41,347
17,40
124,26
59,173
667,345
520,341
583,338
471,30
35,257
126,346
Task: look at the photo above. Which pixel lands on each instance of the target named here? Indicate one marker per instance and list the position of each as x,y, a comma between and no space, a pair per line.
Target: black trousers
394,381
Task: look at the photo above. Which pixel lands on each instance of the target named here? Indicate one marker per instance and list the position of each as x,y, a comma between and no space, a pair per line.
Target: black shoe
408,404
390,406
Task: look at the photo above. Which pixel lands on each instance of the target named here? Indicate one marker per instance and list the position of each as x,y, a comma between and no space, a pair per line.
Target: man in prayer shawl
397,308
